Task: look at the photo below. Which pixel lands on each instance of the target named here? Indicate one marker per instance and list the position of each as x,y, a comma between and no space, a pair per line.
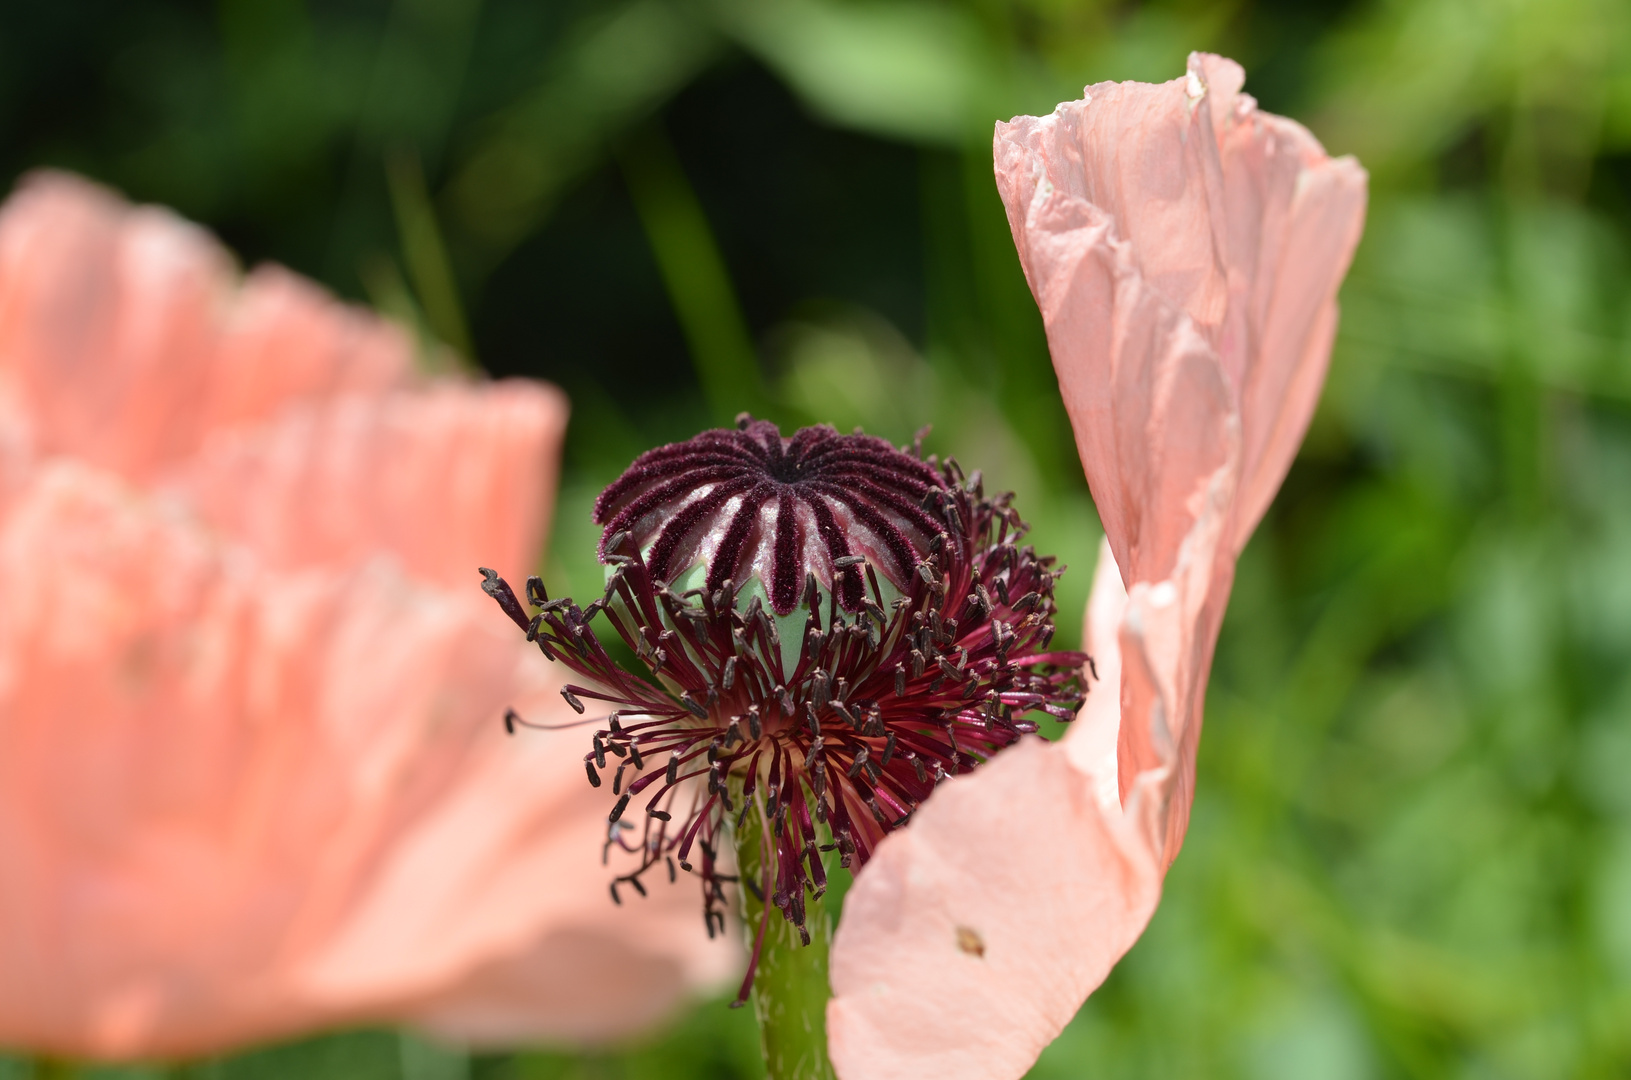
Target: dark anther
594,777
639,888
693,706
536,596
617,811
510,717
888,750
900,679
572,700
616,899
660,815
673,768
729,677
500,590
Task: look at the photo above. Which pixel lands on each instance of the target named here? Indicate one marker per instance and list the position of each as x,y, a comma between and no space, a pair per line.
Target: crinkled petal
125,337
217,780
1248,233
1185,251
1218,396
253,778
448,478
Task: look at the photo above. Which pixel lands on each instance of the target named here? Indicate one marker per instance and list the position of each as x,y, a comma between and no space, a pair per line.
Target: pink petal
447,479
571,966
235,803
1180,403
124,337
1185,251
1053,903
285,340
253,778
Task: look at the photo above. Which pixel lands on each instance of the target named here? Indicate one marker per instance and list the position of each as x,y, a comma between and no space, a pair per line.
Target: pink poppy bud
1185,249
254,776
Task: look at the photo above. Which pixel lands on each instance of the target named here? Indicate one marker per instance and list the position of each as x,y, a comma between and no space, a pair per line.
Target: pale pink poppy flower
254,777
1185,249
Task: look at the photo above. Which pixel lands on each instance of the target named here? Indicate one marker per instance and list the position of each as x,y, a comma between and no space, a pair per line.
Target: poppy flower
254,776
1185,249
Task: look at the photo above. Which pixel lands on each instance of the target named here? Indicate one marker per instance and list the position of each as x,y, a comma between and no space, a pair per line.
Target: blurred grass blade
694,274
424,253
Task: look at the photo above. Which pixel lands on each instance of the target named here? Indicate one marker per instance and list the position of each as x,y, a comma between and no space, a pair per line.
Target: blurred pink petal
253,778
1185,250
125,338
430,475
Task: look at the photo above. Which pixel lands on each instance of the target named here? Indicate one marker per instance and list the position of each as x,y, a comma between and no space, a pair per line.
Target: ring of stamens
880,706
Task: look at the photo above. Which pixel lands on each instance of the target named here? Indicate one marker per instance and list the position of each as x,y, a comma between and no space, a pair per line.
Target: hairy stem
790,991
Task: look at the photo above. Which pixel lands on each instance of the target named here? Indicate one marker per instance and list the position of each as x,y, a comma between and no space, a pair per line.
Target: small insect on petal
970,941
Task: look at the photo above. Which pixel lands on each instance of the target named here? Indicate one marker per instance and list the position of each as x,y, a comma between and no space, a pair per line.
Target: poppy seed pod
832,627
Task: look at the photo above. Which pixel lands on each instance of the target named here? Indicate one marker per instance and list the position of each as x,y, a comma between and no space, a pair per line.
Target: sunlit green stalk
790,991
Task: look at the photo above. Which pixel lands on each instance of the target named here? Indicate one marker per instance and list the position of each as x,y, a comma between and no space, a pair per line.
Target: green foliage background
1411,851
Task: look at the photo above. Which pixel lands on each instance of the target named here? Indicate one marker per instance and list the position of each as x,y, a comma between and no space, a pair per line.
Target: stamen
921,650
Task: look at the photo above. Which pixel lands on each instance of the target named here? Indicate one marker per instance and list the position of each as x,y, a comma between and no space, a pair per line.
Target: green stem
790,990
